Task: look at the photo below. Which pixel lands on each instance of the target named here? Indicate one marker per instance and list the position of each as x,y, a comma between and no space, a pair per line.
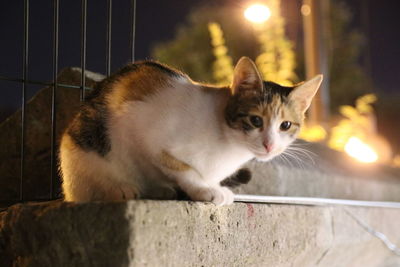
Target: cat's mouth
263,156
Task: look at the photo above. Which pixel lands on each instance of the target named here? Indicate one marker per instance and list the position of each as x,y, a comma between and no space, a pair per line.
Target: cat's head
266,117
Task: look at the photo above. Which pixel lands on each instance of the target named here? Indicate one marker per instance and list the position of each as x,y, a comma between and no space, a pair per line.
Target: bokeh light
257,13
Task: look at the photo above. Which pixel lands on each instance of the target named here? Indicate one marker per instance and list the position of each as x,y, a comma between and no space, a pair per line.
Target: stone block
179,233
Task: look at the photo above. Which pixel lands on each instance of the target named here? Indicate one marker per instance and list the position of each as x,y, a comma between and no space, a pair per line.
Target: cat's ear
302,94
246,76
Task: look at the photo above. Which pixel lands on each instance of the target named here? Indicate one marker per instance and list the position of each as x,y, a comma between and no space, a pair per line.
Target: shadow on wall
37,169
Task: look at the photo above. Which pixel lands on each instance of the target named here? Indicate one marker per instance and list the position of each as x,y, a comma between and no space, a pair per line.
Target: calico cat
148,129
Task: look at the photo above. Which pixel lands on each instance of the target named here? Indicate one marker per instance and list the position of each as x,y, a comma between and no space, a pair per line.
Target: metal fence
25,81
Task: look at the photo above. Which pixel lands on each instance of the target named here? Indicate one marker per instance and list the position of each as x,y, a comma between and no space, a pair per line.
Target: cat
149,129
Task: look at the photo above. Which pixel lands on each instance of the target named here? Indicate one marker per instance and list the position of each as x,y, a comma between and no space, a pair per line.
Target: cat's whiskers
302,151
303,147
298,154
306,158
284,159
296,159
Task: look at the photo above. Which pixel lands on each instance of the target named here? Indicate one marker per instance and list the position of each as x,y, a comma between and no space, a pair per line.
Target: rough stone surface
37,137
169,233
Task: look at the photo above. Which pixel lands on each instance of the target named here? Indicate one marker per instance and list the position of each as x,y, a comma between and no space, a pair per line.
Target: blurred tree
277,60
191,49
222,66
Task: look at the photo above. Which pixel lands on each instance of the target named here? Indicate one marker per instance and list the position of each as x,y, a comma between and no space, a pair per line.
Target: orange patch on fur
172,163
138,84
68,143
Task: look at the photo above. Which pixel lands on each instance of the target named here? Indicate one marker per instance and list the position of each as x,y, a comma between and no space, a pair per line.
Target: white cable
314,201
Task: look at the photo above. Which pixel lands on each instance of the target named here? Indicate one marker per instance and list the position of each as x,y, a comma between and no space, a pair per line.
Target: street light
257,13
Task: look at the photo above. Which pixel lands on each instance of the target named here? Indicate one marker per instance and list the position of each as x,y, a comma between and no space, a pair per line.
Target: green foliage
191,49
223,65
192,52
277,60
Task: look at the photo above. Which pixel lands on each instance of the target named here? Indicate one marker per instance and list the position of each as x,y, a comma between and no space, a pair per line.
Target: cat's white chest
217,160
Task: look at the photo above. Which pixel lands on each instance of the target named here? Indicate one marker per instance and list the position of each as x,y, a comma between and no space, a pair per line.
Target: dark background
156,21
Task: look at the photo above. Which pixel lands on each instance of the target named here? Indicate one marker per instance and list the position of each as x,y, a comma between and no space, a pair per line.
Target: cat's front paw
218,195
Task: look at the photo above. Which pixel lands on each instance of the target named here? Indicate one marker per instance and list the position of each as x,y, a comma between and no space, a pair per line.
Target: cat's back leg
88,177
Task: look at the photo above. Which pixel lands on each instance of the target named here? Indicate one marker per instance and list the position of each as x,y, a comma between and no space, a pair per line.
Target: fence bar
3,78
25,57
21,80
53,101
108,38
133,29
83,47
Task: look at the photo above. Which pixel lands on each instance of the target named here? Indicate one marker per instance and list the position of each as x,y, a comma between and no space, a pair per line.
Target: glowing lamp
257,13
360,150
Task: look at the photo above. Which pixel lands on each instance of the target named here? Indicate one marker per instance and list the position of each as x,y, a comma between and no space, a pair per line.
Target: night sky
381,28
156,21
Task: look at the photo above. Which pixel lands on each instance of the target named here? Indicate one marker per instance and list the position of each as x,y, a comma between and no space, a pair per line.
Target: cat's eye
285,125
257,121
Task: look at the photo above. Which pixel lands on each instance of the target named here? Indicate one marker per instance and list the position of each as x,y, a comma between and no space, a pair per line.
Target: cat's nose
268,146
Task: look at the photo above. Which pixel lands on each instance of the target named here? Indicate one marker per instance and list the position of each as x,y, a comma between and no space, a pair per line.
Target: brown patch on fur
290,114
170,162
282,113
140,83
273,108
68,143
293,116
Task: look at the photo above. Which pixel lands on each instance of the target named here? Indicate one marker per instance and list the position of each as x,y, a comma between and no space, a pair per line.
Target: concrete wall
170,233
